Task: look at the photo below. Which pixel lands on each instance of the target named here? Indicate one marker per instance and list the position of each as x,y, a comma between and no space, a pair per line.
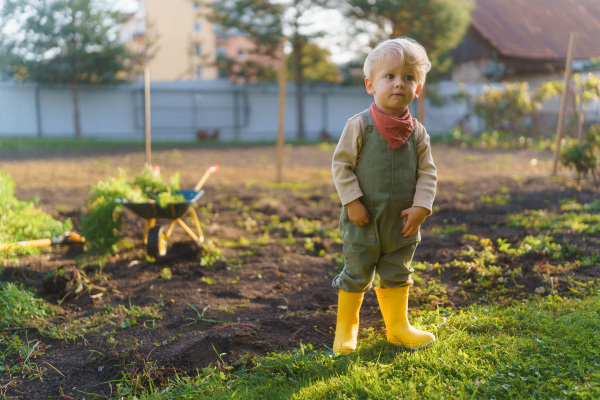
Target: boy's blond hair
411,53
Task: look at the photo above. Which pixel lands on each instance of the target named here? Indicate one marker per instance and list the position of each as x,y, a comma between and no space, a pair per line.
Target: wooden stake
580,119
147,113
563,100
282,94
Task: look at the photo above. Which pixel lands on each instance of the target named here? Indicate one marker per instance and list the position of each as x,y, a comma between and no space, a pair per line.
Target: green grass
15,144
546,348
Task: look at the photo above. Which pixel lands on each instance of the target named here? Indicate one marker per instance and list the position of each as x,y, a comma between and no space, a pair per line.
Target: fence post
563,100
147,113
38,110
282,94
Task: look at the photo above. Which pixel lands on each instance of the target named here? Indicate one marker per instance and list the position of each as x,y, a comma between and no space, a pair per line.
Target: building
181,37
185,44
525,39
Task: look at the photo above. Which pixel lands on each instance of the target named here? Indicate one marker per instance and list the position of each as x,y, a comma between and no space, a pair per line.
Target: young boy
386,179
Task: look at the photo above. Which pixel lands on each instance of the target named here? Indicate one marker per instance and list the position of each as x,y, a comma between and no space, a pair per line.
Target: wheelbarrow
155,236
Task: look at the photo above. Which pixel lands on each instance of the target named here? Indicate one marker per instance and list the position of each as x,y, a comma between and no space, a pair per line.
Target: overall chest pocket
358,234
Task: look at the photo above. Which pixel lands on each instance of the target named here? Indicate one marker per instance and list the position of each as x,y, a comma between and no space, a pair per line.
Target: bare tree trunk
76,115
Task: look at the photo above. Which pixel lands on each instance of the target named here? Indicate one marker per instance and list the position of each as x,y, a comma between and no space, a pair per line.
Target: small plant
584,158
500,199
445,231
165,275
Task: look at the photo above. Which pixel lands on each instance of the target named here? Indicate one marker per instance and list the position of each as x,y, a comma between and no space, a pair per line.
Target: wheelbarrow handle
209,171
67,237
26,243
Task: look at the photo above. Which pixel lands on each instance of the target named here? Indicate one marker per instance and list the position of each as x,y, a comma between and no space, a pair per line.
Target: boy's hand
357,213
416,216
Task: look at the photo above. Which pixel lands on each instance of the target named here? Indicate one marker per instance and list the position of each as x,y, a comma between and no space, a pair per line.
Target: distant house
527,39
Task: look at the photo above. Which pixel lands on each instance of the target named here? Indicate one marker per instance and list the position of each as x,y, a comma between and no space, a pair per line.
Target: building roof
539,29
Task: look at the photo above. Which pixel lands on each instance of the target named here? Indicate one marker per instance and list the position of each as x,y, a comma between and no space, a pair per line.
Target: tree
439,25
69,42
265,22
317,66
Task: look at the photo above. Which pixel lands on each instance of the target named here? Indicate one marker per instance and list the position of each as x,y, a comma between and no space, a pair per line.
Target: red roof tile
539,29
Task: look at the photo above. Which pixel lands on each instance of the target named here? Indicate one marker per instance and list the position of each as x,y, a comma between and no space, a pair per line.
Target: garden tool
346,329
394,307
209,171
65,238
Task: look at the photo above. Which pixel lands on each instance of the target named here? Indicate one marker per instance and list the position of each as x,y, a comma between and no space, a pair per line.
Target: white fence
180,109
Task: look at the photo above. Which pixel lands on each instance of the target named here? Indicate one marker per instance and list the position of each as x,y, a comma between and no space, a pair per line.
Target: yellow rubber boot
394,307
346,329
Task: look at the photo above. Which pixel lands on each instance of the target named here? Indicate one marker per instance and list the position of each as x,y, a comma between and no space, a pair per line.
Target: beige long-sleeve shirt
347,154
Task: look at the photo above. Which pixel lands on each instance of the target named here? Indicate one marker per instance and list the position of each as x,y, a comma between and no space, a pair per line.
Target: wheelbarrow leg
199,238
188,230
197,225
149,225
170,228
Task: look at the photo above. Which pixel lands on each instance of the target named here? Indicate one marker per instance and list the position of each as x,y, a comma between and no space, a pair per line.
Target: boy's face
393,86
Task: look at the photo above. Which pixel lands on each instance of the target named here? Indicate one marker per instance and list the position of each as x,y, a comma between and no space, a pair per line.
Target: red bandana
395,130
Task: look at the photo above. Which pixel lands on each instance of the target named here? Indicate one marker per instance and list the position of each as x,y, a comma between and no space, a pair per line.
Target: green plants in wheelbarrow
102,221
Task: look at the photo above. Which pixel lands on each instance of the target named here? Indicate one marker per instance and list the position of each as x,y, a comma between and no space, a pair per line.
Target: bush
21,220
584,158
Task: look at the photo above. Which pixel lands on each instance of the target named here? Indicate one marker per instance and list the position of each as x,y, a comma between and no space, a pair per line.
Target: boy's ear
369,86
418,91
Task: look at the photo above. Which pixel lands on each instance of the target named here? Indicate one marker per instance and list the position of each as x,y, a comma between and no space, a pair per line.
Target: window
196,5
197,49
198,72
197,27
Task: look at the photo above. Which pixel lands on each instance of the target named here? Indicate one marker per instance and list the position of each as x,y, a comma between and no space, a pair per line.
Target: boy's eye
389,76
409,78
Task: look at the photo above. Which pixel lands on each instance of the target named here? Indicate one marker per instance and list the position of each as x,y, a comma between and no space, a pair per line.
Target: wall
180,109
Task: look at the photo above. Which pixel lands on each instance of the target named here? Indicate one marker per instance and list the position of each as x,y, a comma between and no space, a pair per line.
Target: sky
330,21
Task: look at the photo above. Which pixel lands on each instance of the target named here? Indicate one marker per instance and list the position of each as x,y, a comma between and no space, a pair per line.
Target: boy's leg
359,267
394,268
395,271
346,330
352,282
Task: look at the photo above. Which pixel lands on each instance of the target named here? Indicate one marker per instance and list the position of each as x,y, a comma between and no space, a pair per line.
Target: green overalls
387,178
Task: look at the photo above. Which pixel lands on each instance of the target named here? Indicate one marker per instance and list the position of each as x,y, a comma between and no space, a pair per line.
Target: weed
572,218
200,316
208,280
165,275
211,255
446,230
541,244
500,199
21,221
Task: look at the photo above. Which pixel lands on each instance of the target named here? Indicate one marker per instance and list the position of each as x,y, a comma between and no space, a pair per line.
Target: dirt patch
260,294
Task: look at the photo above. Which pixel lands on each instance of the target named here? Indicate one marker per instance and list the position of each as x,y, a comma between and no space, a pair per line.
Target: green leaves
21,220
439,25
102,223
62,42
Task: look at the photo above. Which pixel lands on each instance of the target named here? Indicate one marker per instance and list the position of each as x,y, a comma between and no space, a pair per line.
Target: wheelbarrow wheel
157,242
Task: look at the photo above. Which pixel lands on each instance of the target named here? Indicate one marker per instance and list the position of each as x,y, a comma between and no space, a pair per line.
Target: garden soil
273,297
